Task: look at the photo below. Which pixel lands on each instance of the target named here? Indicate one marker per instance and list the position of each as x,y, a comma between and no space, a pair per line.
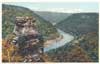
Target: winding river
56,44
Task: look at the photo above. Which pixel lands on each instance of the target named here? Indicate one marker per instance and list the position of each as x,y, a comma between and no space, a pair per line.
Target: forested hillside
79,23
8,18
53,17
81,49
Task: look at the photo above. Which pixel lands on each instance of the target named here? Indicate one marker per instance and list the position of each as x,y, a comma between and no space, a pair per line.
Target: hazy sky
60,7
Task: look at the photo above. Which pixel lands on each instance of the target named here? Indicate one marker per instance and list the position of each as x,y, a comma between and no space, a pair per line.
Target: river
56,44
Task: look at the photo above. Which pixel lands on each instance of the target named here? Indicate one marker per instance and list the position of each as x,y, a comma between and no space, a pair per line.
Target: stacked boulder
28,40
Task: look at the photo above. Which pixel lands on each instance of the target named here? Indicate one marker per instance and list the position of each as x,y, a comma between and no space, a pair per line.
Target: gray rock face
30,43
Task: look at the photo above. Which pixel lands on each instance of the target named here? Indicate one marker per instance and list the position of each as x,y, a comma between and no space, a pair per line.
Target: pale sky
60,7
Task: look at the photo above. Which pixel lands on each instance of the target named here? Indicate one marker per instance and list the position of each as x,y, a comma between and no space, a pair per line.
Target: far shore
48,42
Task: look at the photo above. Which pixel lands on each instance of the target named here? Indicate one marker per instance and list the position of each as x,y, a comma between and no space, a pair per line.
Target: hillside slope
8,17
79,23
82,49
53,17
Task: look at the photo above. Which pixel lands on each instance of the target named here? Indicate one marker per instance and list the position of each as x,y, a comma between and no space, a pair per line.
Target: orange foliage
7,51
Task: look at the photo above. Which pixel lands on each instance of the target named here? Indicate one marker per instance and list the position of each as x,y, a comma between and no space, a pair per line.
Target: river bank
62,40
